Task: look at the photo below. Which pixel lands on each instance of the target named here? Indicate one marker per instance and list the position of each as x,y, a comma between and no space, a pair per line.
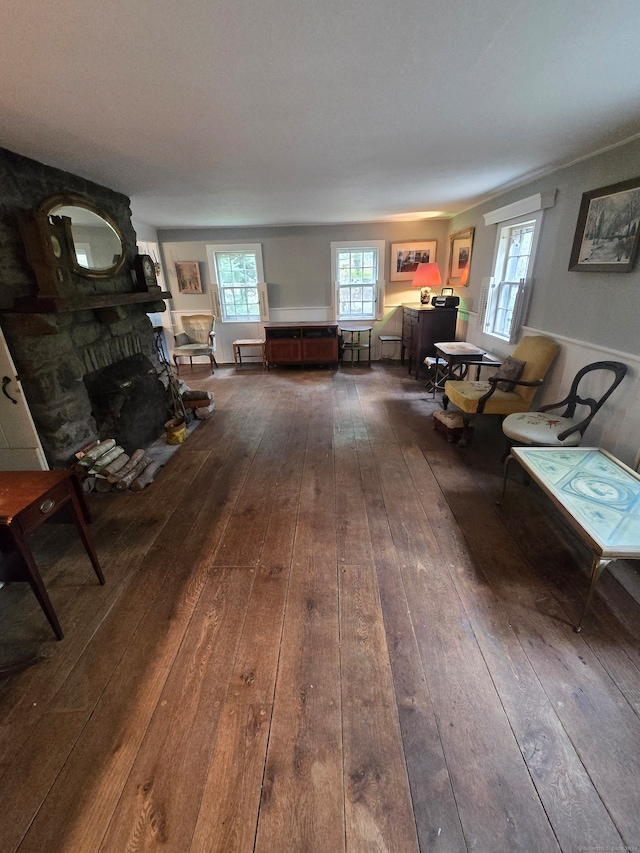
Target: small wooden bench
243,343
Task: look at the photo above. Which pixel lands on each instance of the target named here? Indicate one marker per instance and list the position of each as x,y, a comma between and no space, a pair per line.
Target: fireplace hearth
128,402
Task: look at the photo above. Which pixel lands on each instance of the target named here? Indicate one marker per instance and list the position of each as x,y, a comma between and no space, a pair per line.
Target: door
20,448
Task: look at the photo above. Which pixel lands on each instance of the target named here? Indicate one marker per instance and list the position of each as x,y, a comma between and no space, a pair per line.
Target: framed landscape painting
606,238
405,258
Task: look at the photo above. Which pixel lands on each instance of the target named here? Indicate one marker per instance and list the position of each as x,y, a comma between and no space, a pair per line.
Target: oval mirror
98,244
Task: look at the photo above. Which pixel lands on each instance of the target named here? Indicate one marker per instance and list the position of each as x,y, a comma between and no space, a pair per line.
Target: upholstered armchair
198,338
511,389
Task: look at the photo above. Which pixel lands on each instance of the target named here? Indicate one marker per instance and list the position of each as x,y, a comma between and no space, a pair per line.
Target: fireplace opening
128,402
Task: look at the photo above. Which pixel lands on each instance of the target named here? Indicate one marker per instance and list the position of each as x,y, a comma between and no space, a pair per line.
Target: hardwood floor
319,633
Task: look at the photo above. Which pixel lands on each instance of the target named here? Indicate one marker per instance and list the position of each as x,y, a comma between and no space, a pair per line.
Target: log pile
105,467
200,403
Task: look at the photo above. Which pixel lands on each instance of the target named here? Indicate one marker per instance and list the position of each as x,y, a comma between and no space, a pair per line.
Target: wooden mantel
61,304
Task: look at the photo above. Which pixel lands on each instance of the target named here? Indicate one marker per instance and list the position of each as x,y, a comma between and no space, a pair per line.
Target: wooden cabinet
301,343
422,327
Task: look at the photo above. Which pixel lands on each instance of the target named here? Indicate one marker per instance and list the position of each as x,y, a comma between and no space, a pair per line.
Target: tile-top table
596,493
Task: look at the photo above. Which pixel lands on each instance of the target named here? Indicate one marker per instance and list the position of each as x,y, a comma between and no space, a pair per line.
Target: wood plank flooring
319,634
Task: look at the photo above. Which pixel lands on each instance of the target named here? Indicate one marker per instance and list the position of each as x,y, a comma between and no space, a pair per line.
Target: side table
459,356
27,500
356,343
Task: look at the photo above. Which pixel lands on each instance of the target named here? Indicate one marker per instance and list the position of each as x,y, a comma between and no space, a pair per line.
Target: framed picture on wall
460,248
405,258
188,273
608,227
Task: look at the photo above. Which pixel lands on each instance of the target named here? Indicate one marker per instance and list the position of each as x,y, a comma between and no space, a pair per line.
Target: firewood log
136,456
95,453
102,484
143,480
87,448
106,459
118,463
126,481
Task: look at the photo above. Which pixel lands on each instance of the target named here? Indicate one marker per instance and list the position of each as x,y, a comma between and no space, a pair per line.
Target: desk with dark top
459,356
27,500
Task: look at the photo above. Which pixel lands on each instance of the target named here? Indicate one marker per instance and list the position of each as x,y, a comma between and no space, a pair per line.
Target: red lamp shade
427,275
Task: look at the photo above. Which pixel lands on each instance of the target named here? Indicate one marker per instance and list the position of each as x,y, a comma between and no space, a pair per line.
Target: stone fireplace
128,402
100,331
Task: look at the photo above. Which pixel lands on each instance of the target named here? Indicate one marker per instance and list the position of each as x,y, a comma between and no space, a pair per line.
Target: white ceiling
248,112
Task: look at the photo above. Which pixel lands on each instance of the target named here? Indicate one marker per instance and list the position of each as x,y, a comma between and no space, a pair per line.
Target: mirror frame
461,240
48,208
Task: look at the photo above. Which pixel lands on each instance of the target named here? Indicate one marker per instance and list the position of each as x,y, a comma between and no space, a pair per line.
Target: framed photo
189,280
608,228
405,258
460,248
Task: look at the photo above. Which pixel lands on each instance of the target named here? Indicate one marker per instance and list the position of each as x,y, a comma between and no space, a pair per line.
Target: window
239,292
359,289
83,255
510,285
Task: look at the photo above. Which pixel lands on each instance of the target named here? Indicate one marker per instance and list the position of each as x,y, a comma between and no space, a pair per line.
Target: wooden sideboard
301,343
422,327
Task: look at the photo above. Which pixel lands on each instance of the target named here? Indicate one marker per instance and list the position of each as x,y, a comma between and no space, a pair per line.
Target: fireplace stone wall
54,352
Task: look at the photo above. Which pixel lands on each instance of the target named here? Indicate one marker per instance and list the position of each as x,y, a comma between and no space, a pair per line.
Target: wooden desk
459,356
27,500
597,494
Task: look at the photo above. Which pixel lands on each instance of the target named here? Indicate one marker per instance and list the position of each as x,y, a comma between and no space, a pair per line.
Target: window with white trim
509,288
239,290
358,279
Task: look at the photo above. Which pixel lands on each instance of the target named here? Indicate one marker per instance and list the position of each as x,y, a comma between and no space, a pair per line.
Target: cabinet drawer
45,507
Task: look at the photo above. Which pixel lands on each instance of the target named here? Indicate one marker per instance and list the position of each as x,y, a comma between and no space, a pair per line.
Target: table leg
79,519
35,580
504,478
597,567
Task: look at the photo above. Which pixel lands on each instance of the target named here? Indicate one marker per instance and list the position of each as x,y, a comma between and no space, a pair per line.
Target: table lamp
426,277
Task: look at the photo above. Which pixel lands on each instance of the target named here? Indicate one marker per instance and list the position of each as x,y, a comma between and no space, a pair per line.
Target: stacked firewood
104,466
200,403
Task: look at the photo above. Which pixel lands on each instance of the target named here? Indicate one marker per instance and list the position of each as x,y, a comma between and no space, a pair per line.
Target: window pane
356,274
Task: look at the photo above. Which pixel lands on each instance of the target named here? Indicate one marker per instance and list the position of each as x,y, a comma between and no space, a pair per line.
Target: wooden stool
241,343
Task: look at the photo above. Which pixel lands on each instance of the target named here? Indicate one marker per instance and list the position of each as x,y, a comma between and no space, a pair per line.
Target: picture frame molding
430,246
588,198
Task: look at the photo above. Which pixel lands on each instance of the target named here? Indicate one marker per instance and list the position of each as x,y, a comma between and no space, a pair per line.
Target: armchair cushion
181,339
511,368
465,396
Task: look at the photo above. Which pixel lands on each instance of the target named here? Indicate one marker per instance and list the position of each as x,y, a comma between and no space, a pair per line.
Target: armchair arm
575,428
493,380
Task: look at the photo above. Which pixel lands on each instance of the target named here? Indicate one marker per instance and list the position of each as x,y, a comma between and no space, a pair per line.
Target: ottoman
451,425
